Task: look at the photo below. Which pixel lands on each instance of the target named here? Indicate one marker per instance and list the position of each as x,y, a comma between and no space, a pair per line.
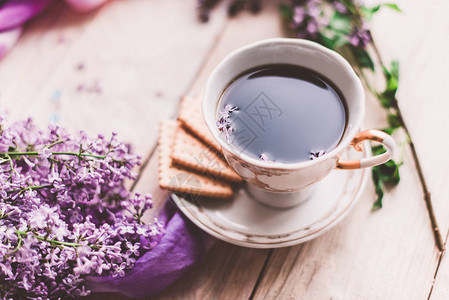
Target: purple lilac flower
340,7
360,37
224,121
65,212
307,18
263,157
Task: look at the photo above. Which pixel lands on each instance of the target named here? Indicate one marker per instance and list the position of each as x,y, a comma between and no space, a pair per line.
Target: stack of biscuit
190,161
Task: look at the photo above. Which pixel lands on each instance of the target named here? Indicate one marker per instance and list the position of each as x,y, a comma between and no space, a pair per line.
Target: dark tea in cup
282,113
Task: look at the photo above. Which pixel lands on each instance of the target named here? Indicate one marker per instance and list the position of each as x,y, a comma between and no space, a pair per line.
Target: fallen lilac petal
8,39
182,245
84,5
15,13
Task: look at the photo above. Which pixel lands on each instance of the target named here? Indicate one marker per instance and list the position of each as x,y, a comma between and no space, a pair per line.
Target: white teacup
292,183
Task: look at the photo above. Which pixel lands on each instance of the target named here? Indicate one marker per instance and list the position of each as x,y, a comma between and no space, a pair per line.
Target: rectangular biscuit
191,118
191,153
179,180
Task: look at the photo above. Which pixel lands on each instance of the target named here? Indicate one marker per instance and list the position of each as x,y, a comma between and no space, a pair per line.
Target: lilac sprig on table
65,212
343,25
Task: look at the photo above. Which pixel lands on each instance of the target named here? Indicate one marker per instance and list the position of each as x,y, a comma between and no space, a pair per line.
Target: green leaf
392,79
368,12
388,96
286,12
389,130
394,71
380,195
374,9
340,23
334,42
378,187
385,99
388,173
326,41
392,6
378,149
394,121
363,59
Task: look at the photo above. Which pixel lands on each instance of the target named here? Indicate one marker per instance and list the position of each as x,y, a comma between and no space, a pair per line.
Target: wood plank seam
261,274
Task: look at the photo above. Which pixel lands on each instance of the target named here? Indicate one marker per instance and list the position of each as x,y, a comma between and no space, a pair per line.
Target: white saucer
246,222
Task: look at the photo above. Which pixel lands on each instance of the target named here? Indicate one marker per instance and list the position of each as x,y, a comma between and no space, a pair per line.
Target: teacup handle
372,135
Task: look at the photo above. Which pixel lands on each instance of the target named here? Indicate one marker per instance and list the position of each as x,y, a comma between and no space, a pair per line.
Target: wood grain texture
122,68
226,272
417,39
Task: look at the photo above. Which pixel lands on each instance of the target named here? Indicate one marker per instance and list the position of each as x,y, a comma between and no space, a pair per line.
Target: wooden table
125,67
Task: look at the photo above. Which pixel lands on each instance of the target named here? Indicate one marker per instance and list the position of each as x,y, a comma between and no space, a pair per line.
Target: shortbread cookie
192,154
179,180
191,117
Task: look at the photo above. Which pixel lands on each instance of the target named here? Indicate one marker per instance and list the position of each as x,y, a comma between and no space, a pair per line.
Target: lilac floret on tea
224,121
263,157
227,132
230,108
315,155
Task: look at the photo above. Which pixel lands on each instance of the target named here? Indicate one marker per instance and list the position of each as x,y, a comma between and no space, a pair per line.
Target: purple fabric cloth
181,246
16,12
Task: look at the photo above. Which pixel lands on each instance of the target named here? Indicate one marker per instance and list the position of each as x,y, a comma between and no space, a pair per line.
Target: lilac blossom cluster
309,19
65,212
